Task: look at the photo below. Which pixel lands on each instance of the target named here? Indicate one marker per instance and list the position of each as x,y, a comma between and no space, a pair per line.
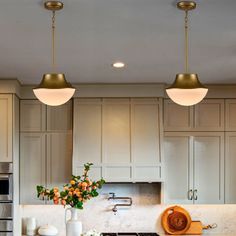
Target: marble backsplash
143,216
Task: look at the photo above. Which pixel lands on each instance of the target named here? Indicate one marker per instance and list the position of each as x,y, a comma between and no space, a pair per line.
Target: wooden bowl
175,220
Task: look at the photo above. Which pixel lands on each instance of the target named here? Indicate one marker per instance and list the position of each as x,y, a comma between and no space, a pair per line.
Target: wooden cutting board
195,228
176,220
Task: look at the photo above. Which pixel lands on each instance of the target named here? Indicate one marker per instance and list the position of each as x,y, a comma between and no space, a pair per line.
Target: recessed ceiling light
118,64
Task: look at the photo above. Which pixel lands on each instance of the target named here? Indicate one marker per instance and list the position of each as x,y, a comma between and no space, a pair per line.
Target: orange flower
72,182
63,202
84,184
56,202
55,189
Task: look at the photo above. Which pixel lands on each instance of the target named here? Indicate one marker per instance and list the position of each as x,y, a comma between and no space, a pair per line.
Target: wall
144,215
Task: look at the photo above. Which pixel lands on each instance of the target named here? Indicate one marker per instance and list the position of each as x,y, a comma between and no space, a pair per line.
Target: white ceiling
91,34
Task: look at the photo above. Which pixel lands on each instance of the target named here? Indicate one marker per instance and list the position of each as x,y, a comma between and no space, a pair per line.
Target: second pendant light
186,89
54,90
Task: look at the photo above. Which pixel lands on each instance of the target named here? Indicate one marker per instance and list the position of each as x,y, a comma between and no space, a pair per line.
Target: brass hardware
213,226
54,81
186,81
186,5
190,194
195,195
53,5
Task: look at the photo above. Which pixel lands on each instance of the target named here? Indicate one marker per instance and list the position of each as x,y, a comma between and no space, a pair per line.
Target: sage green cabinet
37,117
207,115
6,129
121,136
45,147
194,164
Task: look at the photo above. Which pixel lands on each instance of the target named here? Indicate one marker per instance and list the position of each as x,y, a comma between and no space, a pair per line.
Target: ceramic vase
73,225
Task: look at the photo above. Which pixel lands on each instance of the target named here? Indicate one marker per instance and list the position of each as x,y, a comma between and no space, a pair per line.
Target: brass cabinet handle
190,194
195,194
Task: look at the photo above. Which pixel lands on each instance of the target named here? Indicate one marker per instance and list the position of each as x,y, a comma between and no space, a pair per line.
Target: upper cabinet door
37,117
87,135
32,166
32,116
178,185
59,118
208,157
176,117
6,122
208,115
59,158
230,114
116,131
146,139
230,163
145,132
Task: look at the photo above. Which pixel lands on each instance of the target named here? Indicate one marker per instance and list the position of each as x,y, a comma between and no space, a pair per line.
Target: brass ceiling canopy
53,5
54,90
186,90
186,5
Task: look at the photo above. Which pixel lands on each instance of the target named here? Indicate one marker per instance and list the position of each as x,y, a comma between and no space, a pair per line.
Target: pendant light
186,89
54,90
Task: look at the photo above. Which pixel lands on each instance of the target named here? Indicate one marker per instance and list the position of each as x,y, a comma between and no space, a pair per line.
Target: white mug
31,226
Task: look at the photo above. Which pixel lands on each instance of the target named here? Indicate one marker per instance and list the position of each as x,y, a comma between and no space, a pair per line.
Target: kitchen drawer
6,211
6,225
6,233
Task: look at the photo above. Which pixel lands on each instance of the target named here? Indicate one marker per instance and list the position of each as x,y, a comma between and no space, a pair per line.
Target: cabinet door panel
178,166
59,159
230,114
6,128
116,132
87,133
208,168
145,134
32,166
230,173
117,173
209,115
176,117
148,173
59,118
32,116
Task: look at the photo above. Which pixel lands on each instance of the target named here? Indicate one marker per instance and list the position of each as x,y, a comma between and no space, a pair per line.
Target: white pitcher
73,225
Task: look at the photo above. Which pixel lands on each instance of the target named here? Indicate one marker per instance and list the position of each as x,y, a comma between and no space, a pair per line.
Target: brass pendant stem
186,41
53,40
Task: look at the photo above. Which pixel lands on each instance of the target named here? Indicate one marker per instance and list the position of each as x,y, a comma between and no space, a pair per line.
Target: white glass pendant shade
187,97
186,90
54,90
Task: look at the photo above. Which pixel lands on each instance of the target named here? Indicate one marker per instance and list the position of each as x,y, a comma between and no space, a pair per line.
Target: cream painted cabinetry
194,167
121,137
230,114
205,116
37,117
230,163
32,166
45,147
6,131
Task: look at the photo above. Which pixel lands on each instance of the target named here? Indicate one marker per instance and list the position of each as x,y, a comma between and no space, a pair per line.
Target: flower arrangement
76,193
